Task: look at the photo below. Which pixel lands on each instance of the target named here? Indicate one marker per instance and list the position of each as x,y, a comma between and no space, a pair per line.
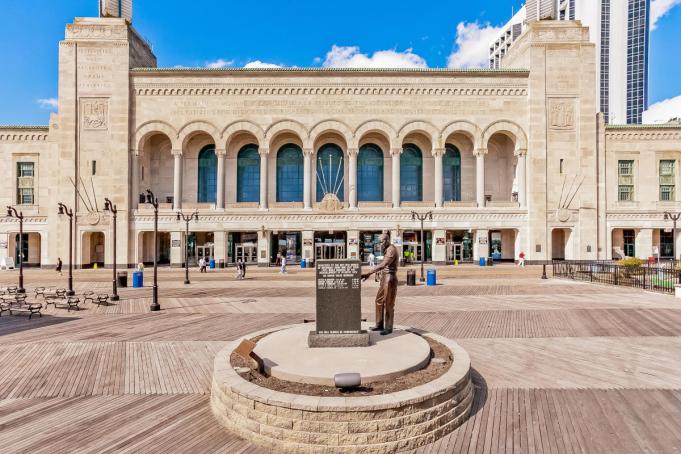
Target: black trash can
411,277
490,261
122,278
221,263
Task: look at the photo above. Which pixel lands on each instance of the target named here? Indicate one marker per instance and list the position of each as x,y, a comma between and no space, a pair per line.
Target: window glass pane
370,174
248,174
290,174
411,174
451,170
208,175
330,172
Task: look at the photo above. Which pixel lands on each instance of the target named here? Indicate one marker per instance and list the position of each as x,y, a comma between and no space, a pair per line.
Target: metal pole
154,295
70,291
21,288
186,251
115,296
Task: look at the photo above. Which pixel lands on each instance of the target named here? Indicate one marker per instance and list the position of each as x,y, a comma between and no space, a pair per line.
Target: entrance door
414,252
205,251
329,251
21,250
246,253
629,243
454,252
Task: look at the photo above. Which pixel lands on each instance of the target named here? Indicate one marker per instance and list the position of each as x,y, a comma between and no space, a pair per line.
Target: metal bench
40,291
71,302
18,303
89,295
103,299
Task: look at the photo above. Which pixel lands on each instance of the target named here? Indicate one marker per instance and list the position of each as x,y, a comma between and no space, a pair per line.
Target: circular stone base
384,423
287,356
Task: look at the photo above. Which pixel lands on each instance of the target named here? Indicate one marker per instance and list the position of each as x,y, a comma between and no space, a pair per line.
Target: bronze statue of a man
385,299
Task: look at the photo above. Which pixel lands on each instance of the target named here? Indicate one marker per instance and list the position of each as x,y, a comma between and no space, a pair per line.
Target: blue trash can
137,279
302,263
431,277
482,261
211,264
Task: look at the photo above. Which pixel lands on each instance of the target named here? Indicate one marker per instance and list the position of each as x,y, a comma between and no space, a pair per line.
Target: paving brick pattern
559,366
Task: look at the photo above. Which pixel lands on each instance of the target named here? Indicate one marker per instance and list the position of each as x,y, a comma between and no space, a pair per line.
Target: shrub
631,262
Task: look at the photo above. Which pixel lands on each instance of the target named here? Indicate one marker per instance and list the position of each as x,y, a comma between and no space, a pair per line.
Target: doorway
329,245
459,246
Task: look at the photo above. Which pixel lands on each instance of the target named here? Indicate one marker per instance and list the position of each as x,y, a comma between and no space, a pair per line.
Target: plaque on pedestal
339,305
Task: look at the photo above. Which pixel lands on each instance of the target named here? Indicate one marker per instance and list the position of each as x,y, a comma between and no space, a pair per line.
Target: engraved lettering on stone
95,114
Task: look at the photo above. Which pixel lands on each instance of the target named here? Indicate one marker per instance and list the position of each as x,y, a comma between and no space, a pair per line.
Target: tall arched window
290,174
248,174
330,171
208,175
411,174
370,174
451,170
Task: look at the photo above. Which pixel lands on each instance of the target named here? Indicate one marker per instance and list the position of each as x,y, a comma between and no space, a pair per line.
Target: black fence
658,278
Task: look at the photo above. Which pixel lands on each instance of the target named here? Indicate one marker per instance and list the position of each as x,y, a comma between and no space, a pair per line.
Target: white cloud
658,8
351,57
260,64
663,111
219,63
472,41
48,103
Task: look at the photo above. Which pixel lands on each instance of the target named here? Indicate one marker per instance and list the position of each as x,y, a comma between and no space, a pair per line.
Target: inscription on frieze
339,309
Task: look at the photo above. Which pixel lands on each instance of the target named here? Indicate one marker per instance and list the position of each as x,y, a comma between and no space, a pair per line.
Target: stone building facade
316,163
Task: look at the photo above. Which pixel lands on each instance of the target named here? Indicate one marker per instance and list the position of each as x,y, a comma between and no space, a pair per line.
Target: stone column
439,247
177,244
522,171
480,176
263,178
352,178
644,243
220,196
353,252
220,246
177,180
307,178
308,245
481,245
438,177
263,247
395,154
135,164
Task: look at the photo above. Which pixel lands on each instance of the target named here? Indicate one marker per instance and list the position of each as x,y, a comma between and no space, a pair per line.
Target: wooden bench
103,299
69,303
89,295
40,291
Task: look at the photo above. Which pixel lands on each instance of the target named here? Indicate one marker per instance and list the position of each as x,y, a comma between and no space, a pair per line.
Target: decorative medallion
93,218
561,113
563,215
95,113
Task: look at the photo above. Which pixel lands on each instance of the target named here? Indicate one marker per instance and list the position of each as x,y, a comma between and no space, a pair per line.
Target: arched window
290,174
208,175
248,174
411,174
451,170
330,171
370,174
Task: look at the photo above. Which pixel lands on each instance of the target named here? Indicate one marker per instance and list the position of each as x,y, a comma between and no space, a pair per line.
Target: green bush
631,262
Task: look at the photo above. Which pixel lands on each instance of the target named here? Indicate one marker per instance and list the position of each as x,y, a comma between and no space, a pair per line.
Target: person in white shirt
282,270
372,260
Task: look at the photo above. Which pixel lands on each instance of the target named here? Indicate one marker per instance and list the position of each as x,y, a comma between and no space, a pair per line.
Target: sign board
175,243
7,263
667,230
339,304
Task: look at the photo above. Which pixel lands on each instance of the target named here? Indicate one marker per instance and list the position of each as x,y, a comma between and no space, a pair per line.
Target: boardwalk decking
559,367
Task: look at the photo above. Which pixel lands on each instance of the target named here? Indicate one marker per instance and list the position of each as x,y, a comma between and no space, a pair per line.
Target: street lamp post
110,207
63,209
422,217
151,199
182,217
12,213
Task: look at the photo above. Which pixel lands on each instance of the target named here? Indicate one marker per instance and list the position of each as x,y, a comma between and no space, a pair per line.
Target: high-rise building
620,30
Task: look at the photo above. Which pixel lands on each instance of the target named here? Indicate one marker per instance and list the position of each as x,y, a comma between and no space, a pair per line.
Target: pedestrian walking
282,270
59,265
278,262
239,270
202,265
521,259
372,260
243,269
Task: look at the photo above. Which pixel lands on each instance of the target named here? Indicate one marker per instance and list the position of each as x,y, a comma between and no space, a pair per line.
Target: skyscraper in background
620,30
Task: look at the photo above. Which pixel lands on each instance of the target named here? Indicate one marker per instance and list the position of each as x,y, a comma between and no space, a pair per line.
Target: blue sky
223,33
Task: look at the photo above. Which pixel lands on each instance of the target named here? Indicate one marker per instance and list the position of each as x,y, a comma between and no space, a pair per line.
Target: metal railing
660,278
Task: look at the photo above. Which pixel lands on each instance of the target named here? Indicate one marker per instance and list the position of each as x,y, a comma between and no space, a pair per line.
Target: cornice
645,134
23,133
359,89
333,71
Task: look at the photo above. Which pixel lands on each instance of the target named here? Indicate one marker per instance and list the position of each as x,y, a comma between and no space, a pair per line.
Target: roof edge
26,127
449,71
644,126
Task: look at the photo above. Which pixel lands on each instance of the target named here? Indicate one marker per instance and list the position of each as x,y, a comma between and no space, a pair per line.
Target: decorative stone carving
95,113
561,113
330,203
88,31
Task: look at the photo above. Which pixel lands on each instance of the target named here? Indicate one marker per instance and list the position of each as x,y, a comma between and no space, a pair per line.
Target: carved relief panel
95,114
561,113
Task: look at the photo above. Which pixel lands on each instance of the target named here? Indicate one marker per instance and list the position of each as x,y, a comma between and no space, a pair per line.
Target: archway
248,174
451,174
411,174
207,180
370,173
290,174
92,249
330,172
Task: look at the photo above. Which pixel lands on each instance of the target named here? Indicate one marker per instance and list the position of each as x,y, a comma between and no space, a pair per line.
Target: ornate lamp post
151,199
110,207
422,217
186,219
12,213
673,217
63,209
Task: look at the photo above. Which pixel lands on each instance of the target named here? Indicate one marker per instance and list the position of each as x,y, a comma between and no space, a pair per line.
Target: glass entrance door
247,253
413,254
454,252
329,251
205,251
